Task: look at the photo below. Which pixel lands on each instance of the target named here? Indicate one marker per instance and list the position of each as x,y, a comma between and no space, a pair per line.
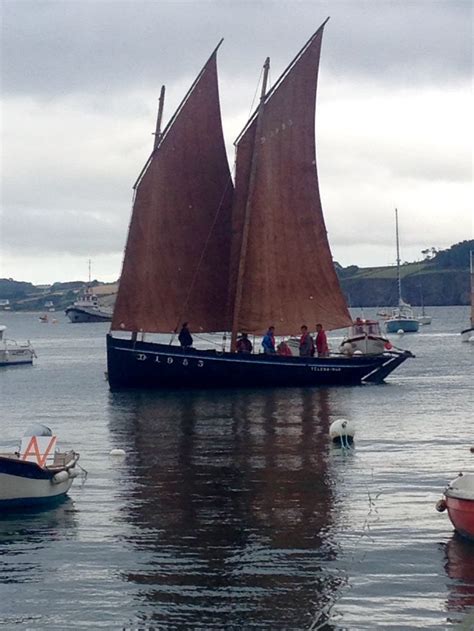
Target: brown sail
282,272
176,263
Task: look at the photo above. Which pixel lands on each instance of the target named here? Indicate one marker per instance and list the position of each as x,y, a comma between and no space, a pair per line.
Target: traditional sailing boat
402,318
468,334
232,259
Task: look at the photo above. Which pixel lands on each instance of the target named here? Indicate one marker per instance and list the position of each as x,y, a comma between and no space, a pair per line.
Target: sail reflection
229,496
459,567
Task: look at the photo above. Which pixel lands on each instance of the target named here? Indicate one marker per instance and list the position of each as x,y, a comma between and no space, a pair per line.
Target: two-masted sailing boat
232,258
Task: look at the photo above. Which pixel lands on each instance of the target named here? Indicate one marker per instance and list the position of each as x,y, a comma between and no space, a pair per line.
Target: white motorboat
12,352
366,338
37,472
87,309
467,335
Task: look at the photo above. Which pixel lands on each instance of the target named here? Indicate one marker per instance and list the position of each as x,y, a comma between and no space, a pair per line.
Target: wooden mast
157,133
161,102
245,233
472,287
398,261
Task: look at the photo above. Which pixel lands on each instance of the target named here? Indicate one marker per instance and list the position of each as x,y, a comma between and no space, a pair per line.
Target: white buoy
342,432
400,332
117,453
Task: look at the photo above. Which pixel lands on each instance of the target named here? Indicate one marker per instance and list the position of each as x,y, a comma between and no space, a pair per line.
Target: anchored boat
401,318
232,259
87,309
37,472
12,352
459,502
365,337
467,335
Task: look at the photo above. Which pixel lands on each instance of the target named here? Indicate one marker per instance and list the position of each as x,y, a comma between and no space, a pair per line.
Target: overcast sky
80,84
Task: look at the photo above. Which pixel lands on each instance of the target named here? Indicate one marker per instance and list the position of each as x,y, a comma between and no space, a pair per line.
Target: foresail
176,262
287,275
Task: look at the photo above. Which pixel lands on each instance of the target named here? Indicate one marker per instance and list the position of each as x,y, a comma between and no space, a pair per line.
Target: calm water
231,510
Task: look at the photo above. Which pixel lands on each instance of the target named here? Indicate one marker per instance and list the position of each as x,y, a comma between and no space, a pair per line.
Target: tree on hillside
457,256
429,253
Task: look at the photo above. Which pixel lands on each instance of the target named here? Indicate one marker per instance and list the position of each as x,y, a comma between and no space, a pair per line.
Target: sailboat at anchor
402,318
467,335
227,258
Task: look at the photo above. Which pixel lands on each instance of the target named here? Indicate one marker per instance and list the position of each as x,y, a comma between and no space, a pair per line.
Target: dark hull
77,315
149,365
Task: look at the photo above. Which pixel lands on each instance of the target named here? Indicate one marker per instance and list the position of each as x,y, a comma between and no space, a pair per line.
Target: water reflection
25,535
459,565
230,498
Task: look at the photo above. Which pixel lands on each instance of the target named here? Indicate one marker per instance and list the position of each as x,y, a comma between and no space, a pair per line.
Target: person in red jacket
321,342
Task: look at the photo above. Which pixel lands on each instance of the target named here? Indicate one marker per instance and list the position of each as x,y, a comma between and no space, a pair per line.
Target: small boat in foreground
37,473
13,353
459,502
365,337
468,334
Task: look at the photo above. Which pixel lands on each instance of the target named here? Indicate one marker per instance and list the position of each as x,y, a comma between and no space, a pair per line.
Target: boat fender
342,432
388,346
59,477
441,506
117,453
72,473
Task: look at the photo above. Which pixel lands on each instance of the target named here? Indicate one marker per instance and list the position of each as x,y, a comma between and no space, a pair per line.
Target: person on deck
185,338
321,342
283,349
268,341
244,345
306,343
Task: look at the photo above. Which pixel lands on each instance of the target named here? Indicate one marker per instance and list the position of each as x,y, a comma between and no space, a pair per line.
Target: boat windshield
365,327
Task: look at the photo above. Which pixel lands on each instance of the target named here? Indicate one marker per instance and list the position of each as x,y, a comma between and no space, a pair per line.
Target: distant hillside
27,297
442,278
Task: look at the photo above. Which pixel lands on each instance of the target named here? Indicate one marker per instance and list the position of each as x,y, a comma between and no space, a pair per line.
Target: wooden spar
161,102
173,118
245,234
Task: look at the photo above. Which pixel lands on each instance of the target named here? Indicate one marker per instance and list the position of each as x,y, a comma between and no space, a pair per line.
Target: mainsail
282,272
176,263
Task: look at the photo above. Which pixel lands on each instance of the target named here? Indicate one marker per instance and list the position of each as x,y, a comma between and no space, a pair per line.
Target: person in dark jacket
185,338
306,343
244,345
268,341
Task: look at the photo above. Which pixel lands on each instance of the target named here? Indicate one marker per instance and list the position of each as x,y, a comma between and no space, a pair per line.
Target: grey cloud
41,231
55,47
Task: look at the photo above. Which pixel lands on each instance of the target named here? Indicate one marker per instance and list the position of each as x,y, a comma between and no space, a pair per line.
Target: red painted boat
459,502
